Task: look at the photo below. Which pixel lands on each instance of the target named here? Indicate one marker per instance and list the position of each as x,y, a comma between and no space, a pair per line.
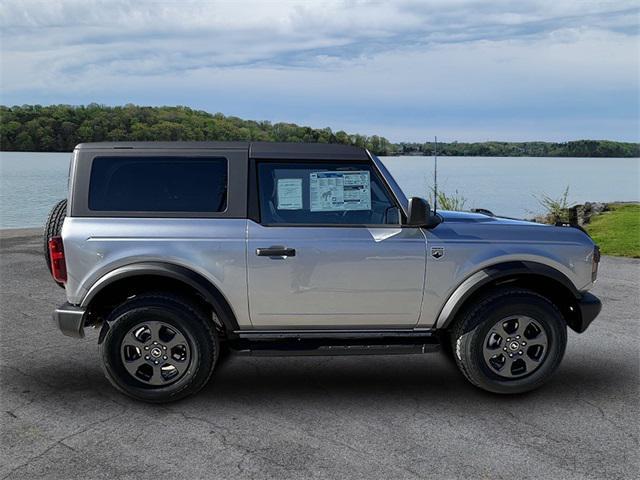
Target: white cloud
328,62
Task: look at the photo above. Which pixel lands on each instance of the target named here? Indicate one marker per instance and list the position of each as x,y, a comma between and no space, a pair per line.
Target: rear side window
158,184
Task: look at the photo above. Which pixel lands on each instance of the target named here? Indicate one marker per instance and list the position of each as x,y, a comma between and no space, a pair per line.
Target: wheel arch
131,279
540,278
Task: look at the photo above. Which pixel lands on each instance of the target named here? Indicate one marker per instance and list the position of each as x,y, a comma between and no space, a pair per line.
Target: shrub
556,209
455,201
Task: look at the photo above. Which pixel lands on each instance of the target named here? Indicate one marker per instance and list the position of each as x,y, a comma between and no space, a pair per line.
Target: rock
539,219
578,214
581,214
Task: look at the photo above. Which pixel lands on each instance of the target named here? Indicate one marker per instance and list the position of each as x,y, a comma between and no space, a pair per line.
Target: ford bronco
177,252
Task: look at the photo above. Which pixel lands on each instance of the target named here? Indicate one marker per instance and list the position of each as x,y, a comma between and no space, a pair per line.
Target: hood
471,226
472,217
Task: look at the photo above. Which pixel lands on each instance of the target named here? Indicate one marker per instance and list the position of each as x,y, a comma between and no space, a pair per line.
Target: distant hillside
58,128
577,148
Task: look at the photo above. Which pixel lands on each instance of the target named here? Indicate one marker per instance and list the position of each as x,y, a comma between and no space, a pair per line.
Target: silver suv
181,252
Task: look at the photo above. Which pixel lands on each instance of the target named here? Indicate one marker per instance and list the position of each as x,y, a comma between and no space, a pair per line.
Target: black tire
53,228
185,318
474,332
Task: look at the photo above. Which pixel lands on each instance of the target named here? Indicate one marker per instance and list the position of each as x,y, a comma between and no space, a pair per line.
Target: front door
329,251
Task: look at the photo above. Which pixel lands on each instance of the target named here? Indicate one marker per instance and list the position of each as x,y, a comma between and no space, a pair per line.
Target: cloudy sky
406,69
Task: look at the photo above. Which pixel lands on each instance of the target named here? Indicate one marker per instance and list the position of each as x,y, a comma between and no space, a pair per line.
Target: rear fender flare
176,272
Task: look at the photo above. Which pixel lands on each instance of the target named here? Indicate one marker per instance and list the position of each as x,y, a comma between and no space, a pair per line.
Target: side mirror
420,214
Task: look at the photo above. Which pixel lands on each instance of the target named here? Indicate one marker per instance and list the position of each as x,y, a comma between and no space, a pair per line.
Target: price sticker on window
339,191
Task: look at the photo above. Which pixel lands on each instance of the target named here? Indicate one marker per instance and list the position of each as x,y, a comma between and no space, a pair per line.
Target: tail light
594,263
58,263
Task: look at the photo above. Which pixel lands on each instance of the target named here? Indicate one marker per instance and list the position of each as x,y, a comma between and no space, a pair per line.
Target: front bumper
70,320
590,307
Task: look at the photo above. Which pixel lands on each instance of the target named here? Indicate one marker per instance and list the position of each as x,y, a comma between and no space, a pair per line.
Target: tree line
59,128
577,148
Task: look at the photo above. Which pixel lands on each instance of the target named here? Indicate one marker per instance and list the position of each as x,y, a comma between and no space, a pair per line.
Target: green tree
61,127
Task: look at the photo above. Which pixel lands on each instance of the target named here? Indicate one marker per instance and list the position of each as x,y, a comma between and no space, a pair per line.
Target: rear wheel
53,228
159,348
511,341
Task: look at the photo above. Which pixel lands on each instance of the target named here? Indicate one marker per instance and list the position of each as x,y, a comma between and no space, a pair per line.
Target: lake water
30,183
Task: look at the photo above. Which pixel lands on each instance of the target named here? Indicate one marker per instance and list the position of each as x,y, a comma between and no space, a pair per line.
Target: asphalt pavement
364,417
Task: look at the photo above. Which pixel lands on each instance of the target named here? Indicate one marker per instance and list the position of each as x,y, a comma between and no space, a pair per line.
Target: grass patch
617,232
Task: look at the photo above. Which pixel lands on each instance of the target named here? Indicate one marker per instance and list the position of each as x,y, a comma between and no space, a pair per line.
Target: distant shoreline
59,128
386,155
487,156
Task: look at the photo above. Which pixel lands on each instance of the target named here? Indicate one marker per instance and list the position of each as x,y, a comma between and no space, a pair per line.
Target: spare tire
53,228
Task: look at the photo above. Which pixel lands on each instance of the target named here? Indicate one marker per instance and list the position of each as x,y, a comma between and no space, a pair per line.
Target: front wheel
510,341
159,348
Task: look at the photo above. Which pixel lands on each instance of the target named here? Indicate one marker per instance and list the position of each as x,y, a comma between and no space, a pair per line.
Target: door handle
276,251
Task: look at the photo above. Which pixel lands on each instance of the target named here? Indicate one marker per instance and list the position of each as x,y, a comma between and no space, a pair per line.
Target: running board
334,342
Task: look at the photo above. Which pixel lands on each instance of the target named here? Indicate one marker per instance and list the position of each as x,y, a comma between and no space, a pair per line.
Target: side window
158,184
323,193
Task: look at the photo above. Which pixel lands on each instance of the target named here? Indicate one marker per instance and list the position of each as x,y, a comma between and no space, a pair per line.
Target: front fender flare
492,273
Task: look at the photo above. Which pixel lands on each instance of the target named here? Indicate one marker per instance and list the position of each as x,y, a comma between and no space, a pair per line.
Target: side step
334,342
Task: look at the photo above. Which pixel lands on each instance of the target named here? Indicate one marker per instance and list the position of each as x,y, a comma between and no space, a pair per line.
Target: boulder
581,214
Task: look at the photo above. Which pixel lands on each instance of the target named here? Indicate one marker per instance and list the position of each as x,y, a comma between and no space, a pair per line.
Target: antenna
435,175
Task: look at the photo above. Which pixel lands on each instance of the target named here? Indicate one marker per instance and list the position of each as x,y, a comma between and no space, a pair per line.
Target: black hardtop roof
272,150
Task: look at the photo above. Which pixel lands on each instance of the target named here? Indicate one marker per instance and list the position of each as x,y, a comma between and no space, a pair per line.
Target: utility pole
435,174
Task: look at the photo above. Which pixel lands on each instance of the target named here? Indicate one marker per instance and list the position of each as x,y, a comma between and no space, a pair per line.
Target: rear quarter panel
214,248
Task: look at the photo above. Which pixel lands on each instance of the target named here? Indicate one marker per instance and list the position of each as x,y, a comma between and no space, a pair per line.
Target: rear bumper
70,320
590,307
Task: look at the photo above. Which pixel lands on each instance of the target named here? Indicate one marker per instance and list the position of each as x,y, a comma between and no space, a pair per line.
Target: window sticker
357,191
340,191
289,193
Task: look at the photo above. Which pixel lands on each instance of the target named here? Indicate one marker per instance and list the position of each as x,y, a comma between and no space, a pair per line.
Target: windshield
402,199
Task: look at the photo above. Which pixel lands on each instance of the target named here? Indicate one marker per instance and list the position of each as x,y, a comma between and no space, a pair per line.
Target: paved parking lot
350,417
